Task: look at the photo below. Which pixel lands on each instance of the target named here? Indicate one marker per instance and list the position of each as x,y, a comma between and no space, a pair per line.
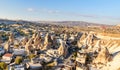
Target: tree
3,65
31,56
18,60
16,46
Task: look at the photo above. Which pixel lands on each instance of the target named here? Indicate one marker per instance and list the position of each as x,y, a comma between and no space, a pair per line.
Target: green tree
31,56
18,60
16,46
3,65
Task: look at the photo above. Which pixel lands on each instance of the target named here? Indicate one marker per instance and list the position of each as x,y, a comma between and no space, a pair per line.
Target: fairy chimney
65,37
102,56
62,49
37,40
82,40
34,35
7,46
97,46
29,45
24,41
11,38
89,39
45,44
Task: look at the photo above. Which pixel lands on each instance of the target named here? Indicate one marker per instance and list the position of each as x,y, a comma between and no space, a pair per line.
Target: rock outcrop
62,49
7,46
11,38
28,45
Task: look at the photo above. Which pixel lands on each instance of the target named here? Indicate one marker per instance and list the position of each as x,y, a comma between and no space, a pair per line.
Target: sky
96,11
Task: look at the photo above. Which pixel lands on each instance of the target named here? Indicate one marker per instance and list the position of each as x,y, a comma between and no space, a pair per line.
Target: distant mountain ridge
64,23
74,23
7,21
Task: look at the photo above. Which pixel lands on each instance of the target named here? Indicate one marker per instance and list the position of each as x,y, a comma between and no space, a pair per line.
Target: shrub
32,56
18,60
3,65
16,46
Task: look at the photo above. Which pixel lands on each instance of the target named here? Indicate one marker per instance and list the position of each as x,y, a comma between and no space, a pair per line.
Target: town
38,46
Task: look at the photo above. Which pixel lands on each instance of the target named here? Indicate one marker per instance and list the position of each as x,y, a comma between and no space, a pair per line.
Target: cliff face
106,47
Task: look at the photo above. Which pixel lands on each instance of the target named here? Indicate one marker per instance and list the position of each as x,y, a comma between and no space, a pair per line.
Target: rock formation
7,46
37,41
82,40
102,58
45,44
11,38
28,45
34,35
97,47
24,41
115,63
62,50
